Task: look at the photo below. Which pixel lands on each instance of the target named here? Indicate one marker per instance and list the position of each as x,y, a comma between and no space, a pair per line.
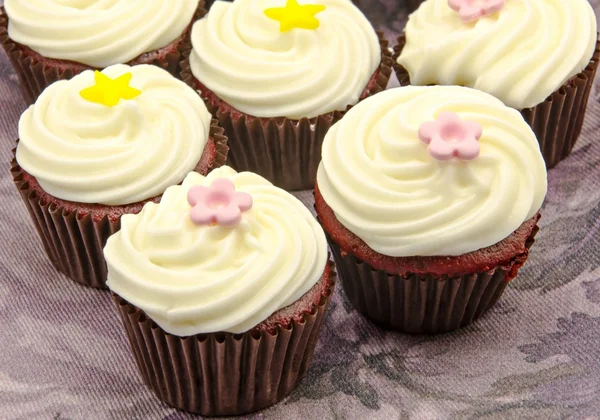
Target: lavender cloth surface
64,355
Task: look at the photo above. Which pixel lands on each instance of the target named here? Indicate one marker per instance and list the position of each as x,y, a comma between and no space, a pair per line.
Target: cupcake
222,288
537,56
277,74
430,198
101,145
50,40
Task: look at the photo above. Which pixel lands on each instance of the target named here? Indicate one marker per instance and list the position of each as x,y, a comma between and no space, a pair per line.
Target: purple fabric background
63,354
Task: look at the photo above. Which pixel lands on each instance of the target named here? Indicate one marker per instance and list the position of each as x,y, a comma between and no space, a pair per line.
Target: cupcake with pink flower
537,56
430,198
222,287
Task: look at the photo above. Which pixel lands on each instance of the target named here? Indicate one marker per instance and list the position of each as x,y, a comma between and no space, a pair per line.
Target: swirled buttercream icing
242,56
98,33
385,185
199,278
89,152
521,53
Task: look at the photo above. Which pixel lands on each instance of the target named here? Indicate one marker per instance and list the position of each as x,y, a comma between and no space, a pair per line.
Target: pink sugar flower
218,204
449,136
470,10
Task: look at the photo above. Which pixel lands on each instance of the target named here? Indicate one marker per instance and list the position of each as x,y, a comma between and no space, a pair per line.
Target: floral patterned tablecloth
63,354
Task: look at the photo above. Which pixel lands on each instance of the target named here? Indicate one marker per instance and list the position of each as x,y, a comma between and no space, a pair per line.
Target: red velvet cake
276,110
222,287
429,204
76,205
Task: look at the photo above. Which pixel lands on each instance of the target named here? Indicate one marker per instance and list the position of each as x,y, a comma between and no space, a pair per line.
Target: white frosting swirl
521,54
382,184
241,56
90,153
199,279
98,33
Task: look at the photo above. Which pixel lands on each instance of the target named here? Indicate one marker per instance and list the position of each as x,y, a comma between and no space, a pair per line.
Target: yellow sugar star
109,92
293,15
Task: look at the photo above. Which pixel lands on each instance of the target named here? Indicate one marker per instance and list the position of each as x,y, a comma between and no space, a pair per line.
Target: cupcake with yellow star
100,146
49,40
277,74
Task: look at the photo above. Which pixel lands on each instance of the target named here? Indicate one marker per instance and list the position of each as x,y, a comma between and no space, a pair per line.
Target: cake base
423,295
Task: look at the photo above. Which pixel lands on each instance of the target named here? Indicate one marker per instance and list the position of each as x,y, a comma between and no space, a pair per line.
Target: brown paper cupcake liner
35,75
217,133
284,151
419,304
557,121
74,242
222,373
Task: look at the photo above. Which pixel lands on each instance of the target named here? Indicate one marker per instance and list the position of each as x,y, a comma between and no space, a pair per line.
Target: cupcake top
520,51
283,58
114,137
219,253
432,171
98,33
